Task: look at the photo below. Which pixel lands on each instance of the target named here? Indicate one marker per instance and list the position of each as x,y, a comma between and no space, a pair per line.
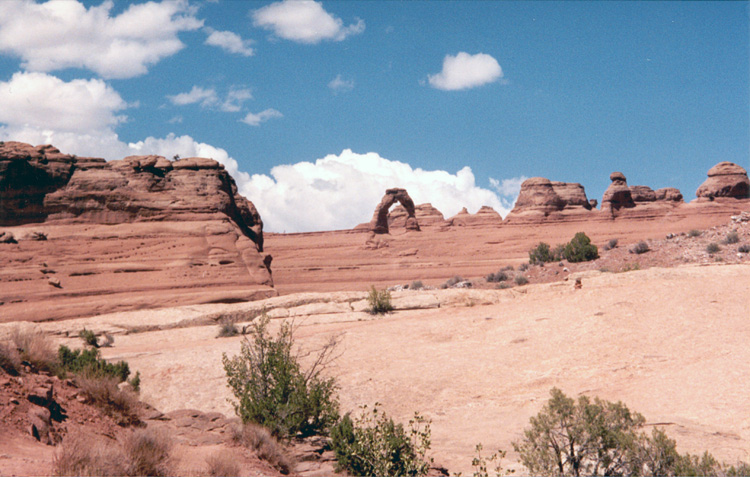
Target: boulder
642,193
725,179
618,195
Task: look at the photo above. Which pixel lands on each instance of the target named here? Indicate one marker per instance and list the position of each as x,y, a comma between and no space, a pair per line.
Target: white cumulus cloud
65,34
229,41
338,84
236,97
254,119
206,97
508,187
341,191
465,71
304,21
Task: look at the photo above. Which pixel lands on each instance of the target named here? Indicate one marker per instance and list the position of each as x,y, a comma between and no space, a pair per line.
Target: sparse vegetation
222,464
695,233
640,248
416,285
227,329
10,361
540,254
271,388
38,236
451,282
521,280
480,463
85,455
744,248
266,447
580,249
88,363
89,338
373,444
630,267
503,285
148,453
499,276
120,404
713,247
523,267
379,301
612,244
731,238
35,348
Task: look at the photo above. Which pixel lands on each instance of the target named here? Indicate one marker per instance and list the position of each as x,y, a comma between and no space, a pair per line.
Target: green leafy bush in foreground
580,249
373,444
271,388
87,362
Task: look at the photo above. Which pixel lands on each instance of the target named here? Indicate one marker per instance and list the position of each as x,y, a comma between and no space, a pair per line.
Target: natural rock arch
379,222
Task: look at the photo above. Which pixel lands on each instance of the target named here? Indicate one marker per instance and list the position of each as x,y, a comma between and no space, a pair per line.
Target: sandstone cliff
138,232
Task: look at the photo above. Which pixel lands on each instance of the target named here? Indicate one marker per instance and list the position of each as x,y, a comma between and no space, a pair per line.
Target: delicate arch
379,222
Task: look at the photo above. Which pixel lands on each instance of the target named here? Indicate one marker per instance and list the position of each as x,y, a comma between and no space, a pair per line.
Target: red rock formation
379,222
485,217
618,195
426,215
540,198
642,193
669,194
725,179
153,224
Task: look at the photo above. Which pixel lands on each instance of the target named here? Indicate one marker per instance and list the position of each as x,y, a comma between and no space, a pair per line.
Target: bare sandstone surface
670,343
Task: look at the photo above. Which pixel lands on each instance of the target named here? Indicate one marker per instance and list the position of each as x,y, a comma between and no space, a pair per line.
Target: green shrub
416,285
273,391
580,249
521,280
87,362
732,238
695,233
639,248
373,444
713,247
558,253
499,276
379,301
89,338
540,254
523,267
480,463
612,244
135,381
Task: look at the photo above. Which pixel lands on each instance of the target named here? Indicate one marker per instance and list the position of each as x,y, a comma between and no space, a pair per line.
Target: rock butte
142,232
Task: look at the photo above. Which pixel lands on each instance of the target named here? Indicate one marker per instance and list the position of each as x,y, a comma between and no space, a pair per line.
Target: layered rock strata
540,198
725,180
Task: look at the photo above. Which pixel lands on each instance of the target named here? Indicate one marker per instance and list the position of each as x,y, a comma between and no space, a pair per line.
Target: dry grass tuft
35,348
120,404
148,453
266,447
10,361
223,464
88,455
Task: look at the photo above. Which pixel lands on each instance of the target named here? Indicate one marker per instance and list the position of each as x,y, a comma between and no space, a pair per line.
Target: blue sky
316,108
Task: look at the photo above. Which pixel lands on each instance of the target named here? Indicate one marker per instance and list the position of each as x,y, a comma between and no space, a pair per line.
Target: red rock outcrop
426,216
641,193
540,198
618,195
669,194
379,222
138,232
485,217
725,179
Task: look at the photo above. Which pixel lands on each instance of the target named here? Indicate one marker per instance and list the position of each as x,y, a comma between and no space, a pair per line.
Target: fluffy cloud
508,187
39,100
231,42
304,22
465,71
206,97
254,119
339,84
339,192
57,35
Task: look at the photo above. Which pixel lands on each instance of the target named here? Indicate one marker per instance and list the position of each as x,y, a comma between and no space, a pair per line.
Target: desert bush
87,362
503,285
521,280
612,244
695,233
452,281
416,285
580,438
540,254
266,447
35,348
373,444
87,455
10,361
480,463
135,381
499,276
89,338
379,301
558,253
744,248
713,247
121,405
38,236
523,267
580,249
732,238
272,389
639,248
148,453
223,464
227,330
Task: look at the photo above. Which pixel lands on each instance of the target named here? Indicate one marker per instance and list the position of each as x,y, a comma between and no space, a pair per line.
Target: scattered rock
7,237
55,282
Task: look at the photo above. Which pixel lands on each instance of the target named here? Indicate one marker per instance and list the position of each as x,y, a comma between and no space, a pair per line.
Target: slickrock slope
96,236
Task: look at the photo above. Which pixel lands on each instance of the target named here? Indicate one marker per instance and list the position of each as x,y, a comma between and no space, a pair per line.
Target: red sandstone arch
379,222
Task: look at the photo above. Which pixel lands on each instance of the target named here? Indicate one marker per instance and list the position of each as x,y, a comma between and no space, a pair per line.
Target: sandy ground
669,343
